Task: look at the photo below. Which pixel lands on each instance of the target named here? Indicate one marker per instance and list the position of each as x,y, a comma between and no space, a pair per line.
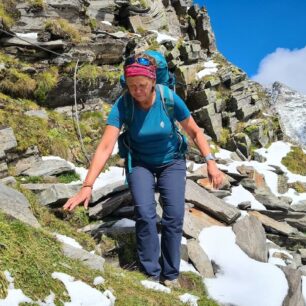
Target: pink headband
136,69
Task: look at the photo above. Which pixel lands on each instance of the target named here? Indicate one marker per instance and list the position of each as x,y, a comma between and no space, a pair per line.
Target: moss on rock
295,161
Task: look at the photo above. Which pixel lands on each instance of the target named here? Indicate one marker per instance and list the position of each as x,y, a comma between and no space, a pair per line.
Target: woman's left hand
215,176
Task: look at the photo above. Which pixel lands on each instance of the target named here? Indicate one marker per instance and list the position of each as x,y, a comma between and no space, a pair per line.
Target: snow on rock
209,68
189,299
14,296
187,267
276,260
155,286
240,194
67,240
82,294
163,37
240,281
31,36
99,280
274,155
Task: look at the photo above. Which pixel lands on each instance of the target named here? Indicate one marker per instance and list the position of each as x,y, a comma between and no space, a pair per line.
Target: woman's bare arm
195,133
102,154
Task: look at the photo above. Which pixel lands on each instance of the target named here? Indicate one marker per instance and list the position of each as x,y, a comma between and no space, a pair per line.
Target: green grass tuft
63,29
46,81
295,161
16,83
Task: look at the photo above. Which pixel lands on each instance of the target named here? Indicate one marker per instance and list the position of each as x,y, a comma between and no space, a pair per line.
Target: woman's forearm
202,143
96,166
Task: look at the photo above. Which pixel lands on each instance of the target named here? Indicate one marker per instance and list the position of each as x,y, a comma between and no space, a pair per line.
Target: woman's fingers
81,197
217,179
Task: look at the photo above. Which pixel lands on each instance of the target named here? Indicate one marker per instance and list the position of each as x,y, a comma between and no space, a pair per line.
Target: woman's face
140,88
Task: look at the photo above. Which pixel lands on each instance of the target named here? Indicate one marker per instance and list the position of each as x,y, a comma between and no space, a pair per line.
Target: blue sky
263,38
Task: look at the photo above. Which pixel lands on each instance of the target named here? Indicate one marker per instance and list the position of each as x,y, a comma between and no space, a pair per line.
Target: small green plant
89,73
68,177
153,44
46,81
141,30
93,24
63,29
3,285
30,179
224,137
298,187
6,12
295,161
37,4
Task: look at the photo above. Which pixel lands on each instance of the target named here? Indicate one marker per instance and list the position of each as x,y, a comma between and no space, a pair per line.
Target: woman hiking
154,160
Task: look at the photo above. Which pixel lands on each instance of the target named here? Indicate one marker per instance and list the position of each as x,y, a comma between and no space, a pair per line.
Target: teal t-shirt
152,137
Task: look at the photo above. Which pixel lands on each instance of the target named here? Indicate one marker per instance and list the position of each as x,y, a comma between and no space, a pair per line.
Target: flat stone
90,260
48,167
294,295
195,220
274,226
15,204
101,192
210,204
200,259
251,238
8,139
57,194
109,205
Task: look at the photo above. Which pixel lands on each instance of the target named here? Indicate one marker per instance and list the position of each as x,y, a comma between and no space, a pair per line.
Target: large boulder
15,204
210,204
251,238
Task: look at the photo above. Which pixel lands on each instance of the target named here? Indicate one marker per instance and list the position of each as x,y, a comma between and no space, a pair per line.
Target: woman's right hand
83,196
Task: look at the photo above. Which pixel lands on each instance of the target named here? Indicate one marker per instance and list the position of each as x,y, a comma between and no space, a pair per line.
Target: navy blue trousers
170,181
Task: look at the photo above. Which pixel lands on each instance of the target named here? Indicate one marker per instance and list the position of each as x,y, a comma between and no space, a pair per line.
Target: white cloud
286,66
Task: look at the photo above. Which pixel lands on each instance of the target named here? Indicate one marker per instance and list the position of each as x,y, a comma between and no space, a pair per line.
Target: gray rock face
289,104
8,140
92,261
195,221
3,169
269,200
294,295
15,204
101,192
107,206
63,94
251,238
210,204
204,31
271,225
200,259
25,163
48,167
37,113
102,10
34,21
57,194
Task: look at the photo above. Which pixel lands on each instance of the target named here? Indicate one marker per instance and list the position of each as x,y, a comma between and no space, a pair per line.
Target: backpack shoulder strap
128,109
167,100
